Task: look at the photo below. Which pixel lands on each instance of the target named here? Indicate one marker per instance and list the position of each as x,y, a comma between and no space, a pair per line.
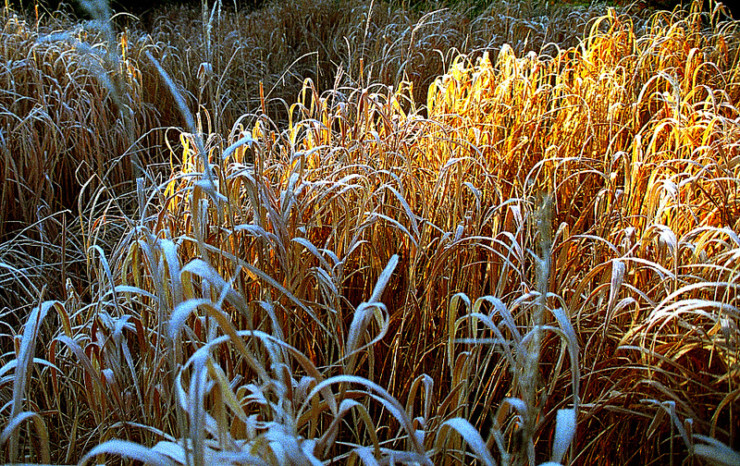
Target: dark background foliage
137,7
141,7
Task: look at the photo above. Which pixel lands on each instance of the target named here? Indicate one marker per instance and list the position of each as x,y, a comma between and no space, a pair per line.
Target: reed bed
77,119
535,262
360,43
84,107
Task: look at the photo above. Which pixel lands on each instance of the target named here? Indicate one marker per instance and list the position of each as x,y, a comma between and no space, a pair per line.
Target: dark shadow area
135,7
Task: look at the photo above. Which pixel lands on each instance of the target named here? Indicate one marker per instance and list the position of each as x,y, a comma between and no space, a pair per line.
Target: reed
533,261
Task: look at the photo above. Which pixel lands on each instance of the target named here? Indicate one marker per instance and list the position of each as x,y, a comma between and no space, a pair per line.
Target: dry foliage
548,240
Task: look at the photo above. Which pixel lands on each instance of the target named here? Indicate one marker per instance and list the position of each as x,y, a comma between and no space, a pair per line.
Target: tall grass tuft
535,262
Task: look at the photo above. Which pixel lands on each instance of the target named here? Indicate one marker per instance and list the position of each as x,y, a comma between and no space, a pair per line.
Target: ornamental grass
530,257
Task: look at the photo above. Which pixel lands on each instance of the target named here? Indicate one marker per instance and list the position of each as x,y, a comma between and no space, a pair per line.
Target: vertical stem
531,378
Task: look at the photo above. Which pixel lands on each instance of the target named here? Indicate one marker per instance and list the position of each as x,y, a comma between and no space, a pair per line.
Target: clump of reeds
636,137
61,121
550,244
72,113
277,47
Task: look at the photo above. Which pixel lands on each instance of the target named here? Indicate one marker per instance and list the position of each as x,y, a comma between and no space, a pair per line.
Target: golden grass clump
540,264
636,137
82,103
222,59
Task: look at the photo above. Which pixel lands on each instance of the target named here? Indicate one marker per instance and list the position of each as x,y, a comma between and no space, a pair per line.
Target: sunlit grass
533,258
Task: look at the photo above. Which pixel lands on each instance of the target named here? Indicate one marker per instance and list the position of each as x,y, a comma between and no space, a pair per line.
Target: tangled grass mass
353,232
